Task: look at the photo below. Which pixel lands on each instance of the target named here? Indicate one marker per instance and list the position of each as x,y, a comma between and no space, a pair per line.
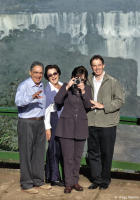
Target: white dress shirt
27,106
97,85
50,108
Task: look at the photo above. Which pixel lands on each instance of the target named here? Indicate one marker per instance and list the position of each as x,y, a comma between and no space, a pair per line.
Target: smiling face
97,67
53,76
36,74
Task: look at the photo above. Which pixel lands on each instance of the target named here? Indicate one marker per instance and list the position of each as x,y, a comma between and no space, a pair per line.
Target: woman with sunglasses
54,155
72,127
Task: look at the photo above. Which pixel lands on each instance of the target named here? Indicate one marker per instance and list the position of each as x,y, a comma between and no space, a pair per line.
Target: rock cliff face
112,34
70,39
73,24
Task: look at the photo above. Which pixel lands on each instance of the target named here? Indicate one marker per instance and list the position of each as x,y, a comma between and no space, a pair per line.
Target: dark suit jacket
73,119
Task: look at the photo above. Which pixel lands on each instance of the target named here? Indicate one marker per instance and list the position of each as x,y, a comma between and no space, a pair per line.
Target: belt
34,118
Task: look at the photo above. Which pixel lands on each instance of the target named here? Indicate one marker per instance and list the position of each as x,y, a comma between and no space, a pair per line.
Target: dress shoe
47,181
68,189
57,183
103,186
78,187
31,191
93,186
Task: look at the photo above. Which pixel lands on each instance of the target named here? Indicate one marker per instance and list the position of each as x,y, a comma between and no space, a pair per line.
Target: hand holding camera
77,80
70,83
78,83
81,86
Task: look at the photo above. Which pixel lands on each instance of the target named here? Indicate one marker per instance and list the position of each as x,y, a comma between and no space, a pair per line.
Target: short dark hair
36,63
79,71
51,67
96,57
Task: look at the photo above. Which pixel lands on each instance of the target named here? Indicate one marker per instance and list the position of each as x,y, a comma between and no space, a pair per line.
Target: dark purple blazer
73,119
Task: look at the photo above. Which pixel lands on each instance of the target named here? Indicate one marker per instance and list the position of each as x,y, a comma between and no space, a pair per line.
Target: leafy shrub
8,133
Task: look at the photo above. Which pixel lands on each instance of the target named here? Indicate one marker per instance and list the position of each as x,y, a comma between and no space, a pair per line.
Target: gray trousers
72,150
31,141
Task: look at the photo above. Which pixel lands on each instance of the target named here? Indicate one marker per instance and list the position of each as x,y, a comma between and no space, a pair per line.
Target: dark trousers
100,153
72,150
54,154
31,141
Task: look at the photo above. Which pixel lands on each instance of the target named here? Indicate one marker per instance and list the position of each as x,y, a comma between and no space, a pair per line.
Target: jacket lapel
90,83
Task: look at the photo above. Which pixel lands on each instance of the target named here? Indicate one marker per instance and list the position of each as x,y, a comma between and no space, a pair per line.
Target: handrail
8,111
13,157
123,119
130,120
121,165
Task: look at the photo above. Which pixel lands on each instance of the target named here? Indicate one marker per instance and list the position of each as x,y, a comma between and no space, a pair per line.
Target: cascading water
119,31
71,23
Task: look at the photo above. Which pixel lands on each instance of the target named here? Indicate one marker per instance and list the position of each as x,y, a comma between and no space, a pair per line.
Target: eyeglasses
54,74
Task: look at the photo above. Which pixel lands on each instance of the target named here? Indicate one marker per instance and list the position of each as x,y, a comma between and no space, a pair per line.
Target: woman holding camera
72,127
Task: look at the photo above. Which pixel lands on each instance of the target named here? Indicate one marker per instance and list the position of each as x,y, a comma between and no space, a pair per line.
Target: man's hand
96,105
36,95
48,134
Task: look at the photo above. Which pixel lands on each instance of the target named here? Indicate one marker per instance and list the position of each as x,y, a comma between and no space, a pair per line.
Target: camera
74,88
77,80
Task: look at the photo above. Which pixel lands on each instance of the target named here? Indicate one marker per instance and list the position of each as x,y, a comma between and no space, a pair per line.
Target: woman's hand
96,105
81,86
70,83
48,134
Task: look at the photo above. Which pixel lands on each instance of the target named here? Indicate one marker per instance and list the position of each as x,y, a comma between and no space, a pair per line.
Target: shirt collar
100,79
32,83
53,88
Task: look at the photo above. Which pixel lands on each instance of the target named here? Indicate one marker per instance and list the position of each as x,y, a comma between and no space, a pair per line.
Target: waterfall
121,32
71,23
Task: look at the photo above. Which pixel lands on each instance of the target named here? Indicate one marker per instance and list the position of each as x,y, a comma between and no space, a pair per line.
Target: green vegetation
8,133
13,157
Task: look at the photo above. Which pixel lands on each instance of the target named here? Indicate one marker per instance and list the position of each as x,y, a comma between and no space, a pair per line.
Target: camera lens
77,81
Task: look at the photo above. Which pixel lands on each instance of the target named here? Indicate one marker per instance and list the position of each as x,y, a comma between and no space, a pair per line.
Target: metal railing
8,156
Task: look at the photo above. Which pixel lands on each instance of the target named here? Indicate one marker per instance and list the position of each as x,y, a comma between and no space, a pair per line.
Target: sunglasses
54,74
